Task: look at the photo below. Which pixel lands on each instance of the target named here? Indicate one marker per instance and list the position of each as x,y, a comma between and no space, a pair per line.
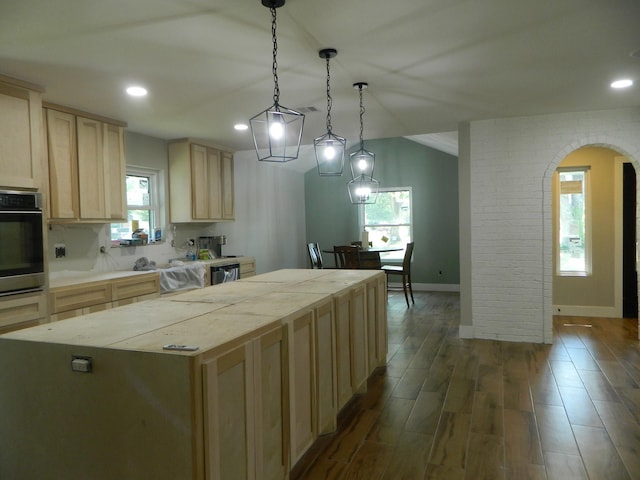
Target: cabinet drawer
85,295
135,286
22,308
246,269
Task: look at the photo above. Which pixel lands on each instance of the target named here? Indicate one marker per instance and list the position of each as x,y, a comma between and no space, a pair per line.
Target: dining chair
404,270
314,255
347,256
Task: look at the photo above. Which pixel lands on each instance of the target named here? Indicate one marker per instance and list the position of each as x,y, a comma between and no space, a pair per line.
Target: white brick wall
511,167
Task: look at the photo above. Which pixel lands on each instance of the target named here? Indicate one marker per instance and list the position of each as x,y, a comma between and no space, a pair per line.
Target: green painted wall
433,175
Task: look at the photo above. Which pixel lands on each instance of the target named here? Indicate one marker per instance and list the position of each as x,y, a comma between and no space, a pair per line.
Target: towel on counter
143,263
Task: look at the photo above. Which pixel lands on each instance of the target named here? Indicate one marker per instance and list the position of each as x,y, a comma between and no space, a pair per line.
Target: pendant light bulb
276,130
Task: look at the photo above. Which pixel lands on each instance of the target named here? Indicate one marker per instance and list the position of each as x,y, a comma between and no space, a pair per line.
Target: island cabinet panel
376,323
302,383
325,365
21,155
343,349
245,411
130,418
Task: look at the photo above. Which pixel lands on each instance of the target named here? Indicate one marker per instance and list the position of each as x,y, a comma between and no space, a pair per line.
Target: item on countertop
205,254
191,253
143,264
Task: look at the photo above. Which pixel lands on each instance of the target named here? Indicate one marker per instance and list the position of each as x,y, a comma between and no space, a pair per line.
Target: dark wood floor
449,408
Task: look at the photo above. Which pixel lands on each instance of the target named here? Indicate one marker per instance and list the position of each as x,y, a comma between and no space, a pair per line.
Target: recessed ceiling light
624,83
241,126
136,91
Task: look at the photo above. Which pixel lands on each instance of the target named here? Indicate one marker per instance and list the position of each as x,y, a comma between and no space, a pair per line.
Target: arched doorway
598,292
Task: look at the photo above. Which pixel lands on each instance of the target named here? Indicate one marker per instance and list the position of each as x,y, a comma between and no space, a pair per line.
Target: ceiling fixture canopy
329,147
363,188
277,131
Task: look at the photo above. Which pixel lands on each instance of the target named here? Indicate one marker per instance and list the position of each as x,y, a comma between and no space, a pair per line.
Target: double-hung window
142,203
389,220
573,221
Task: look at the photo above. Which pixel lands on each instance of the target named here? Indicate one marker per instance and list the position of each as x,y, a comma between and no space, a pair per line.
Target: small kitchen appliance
213,244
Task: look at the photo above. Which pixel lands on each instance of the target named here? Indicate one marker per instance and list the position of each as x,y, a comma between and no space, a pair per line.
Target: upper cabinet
200,183
86,168
21,153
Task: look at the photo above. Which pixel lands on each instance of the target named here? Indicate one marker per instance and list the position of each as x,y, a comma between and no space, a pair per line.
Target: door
629,273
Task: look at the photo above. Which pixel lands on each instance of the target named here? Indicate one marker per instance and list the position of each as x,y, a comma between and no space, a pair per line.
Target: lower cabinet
245,411
351,344
22,310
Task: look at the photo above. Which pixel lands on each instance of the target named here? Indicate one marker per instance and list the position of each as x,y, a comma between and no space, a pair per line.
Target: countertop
207,318
66,278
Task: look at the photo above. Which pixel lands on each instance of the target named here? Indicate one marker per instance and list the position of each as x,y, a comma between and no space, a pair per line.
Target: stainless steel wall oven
21,242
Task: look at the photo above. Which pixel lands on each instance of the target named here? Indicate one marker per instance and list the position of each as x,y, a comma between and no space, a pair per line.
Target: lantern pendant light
277,131
329,147
363,188
361,161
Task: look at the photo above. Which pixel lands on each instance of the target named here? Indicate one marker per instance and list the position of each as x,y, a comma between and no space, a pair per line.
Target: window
142,203
573,221
389,220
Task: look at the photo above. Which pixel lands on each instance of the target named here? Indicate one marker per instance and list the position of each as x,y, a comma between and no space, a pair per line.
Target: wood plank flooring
450,408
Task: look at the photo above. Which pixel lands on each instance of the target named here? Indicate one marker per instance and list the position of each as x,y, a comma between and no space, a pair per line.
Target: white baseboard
585,311
466,331
430,287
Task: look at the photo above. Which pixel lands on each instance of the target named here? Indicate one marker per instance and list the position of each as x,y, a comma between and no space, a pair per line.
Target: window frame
587,222
396,256
154,207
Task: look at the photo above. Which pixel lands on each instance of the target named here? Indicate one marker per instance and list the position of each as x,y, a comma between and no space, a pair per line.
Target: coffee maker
213,244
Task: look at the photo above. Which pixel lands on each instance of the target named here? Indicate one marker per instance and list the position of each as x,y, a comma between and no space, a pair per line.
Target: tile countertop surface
69,277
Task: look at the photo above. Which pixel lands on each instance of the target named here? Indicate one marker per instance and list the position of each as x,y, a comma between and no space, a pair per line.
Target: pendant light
362,161
329,147
363,188
277,131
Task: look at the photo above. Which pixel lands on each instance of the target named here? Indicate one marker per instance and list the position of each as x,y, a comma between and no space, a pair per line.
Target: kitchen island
232,381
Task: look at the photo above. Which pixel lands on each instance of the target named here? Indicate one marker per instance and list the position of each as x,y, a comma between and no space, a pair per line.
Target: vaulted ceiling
430,64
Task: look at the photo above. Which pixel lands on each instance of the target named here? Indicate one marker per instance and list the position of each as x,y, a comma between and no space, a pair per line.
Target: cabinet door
229,418
302,384
215,184
376,323
228,202
199,183
326,408
343,349
63,165
20,134
359,350
272,458
115,167
91,169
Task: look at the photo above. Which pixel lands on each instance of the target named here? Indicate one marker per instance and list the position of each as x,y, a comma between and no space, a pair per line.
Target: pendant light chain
361,119
274,69
329,99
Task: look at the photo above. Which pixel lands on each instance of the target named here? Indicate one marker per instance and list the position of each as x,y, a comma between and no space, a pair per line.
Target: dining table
370,257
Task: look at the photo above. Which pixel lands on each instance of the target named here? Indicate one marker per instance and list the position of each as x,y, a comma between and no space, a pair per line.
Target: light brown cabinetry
23,310
79,299
21,153
86,168
245,410
200,183
246,404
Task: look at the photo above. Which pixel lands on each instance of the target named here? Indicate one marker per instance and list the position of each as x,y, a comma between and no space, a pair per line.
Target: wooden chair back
347,256
314,255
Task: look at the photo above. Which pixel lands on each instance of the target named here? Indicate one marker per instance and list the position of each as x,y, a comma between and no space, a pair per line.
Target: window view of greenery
572,222
388,221
139,207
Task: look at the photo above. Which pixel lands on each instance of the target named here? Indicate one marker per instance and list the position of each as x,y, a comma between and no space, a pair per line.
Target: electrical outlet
60,250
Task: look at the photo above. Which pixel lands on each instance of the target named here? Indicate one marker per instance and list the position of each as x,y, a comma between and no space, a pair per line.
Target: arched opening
597,291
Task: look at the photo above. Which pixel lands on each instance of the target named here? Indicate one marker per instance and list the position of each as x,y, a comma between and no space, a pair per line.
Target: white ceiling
430,64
